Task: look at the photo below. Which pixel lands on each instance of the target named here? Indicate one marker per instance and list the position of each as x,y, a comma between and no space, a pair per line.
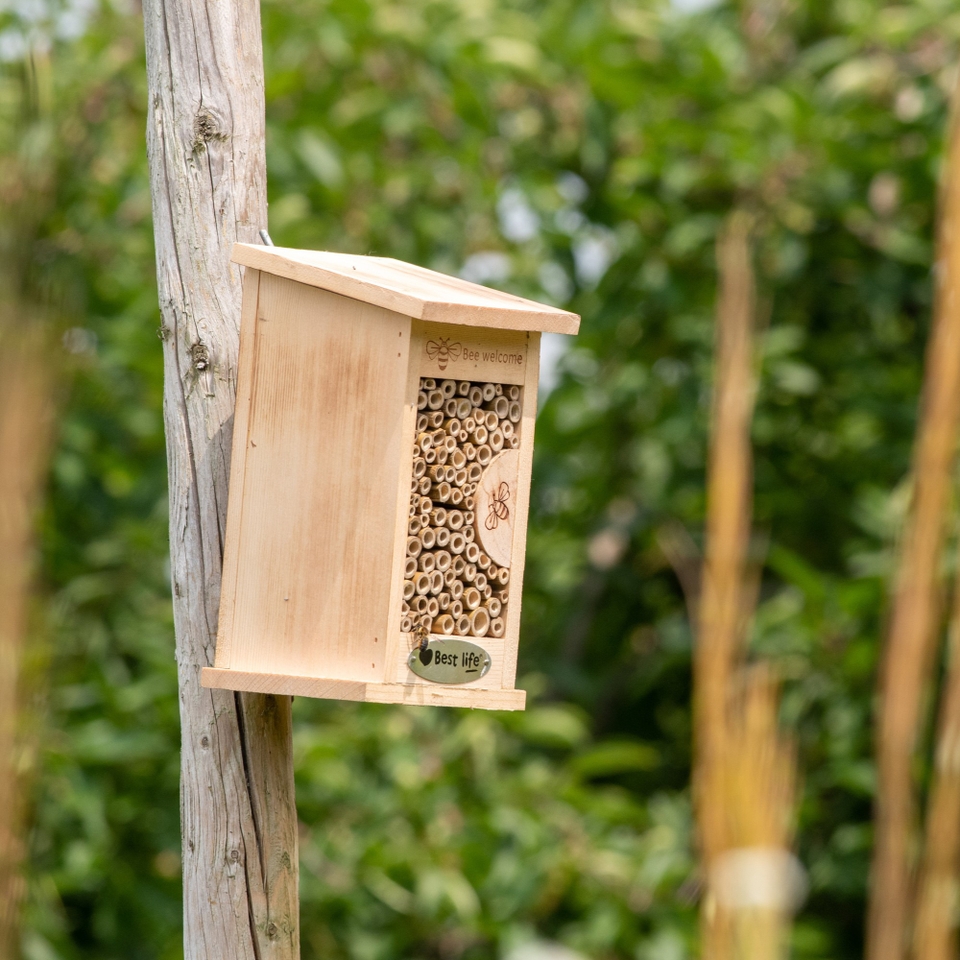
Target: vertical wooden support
205,138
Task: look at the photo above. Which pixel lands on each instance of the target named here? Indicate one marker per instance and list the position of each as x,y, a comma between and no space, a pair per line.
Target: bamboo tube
489,391
424,486
421,584
472,598
463,626
474,472
458,459
475,396
513,393
497,627
469,573
479,435
499,406
414,546
463,387
490,420
469,451
452,426
507,429
430,456
515,412
434,400
484,455
433,607
503,576
479,622
472,554
422,400
464,406
426,562
444,624
425,441
428,538
448,388
459,476
455,519
493,606
426,505
441,561
457,544
499,389
483,561
442,454
443,599
435,421
438,516
456,496
496,441
436,472
456,609
406,625
409,569
422,422
469,424
419,467
458,565
449,577
468,530
416,449
413,512
408,587
449,472
480,581
456,589
443,537
419,604
436,582
428,383
514,442
450,408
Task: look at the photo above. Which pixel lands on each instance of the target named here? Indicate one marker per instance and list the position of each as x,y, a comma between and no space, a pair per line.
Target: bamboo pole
745,770
916,603
205,140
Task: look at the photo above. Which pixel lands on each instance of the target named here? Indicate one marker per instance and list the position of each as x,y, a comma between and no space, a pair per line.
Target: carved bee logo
498,506
443,351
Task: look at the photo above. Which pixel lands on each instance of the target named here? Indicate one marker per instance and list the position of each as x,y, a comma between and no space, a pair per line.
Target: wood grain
312,531
408,289
422,694
497,491
205,139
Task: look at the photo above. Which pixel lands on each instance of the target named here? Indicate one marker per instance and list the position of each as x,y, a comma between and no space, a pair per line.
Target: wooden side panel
314,548
241,427
512,635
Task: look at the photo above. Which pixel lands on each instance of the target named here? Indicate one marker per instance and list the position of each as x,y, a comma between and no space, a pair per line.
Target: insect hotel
380,480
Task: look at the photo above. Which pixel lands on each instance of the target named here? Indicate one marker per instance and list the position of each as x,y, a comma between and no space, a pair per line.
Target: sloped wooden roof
407,289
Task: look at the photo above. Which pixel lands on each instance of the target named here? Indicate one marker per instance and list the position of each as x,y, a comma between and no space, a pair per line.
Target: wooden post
205,139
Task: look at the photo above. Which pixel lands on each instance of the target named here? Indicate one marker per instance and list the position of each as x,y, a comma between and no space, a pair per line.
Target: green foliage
585,153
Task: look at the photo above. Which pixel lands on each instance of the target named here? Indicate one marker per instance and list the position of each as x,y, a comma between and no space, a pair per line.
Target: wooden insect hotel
380,480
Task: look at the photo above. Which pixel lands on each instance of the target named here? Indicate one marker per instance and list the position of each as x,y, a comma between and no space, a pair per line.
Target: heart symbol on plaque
426,656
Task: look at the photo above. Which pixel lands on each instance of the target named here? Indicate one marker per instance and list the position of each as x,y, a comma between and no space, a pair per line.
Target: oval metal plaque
449,660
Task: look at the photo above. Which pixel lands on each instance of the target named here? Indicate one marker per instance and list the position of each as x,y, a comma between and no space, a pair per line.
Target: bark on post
205,139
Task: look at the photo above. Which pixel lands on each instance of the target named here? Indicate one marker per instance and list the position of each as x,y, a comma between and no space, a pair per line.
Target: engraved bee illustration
498,506
443,351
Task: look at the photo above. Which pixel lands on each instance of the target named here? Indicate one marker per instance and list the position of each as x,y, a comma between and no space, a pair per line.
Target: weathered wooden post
205,139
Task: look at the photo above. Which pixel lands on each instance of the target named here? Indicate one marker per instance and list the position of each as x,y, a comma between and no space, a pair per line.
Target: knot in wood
272,930
235,855
200,355
205,130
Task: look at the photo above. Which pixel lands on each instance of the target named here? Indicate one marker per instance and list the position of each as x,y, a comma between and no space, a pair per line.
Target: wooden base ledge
416,694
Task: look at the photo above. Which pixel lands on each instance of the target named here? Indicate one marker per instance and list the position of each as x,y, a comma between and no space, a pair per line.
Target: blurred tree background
583,152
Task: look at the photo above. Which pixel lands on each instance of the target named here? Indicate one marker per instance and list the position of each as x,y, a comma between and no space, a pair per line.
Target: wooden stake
205,139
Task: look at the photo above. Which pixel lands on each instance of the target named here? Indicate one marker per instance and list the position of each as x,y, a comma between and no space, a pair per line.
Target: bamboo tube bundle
450,584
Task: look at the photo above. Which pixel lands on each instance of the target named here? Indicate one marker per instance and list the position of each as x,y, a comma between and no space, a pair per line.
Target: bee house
380,481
